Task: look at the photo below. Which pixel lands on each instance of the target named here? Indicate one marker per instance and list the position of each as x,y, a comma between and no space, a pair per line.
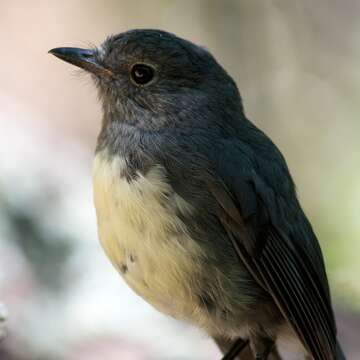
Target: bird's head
152,79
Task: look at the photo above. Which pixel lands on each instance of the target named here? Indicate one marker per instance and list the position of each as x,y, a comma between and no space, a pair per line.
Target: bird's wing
271,235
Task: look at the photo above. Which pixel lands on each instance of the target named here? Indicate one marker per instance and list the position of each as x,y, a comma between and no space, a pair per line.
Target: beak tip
57,52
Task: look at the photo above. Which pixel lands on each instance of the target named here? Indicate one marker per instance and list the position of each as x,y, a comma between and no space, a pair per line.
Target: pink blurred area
110,349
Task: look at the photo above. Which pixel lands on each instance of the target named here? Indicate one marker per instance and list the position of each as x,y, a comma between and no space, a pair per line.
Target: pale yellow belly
145,239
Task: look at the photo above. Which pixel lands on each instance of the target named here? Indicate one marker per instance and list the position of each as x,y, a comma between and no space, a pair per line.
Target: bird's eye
142,74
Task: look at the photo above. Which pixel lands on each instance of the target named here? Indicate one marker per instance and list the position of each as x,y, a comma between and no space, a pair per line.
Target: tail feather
339,353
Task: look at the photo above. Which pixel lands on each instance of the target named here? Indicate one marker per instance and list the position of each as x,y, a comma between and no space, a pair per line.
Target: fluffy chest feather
142,234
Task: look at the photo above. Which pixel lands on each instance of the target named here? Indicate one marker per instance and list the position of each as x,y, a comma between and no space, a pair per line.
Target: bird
196,207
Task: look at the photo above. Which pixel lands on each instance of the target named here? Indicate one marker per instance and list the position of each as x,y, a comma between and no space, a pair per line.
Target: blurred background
297,66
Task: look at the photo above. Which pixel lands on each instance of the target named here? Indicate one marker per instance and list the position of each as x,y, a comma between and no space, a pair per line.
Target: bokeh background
297,66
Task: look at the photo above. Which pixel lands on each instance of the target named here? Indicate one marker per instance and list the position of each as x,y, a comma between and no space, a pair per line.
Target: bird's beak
83,58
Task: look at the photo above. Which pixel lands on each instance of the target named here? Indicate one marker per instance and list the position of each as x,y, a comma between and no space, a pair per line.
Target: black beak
83,58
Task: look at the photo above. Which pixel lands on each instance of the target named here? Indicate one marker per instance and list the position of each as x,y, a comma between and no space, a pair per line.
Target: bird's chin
108,88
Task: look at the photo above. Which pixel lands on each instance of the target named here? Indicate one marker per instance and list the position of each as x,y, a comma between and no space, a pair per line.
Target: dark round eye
142,74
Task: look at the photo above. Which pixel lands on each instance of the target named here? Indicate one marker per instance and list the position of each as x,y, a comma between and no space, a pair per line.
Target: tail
339,353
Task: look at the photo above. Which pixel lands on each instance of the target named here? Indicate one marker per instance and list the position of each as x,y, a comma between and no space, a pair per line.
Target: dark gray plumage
167,103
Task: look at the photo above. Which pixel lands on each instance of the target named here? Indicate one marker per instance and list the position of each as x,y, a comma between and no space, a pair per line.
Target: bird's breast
142,234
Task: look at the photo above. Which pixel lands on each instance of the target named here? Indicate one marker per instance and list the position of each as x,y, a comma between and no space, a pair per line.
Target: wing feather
281,267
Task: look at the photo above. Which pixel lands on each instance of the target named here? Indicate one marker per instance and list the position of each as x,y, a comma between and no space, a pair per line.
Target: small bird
195,205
